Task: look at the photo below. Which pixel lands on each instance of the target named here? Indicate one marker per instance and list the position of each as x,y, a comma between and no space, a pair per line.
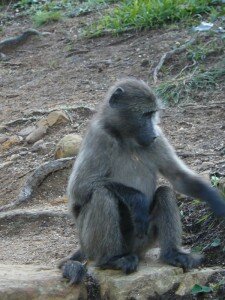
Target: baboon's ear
114,100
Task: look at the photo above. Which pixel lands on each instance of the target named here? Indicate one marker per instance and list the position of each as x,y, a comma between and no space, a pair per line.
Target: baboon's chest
136,171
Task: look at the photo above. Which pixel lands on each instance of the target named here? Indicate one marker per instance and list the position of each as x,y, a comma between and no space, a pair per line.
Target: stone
40,282
55,117
5,164
23,282
206,165
36,135
151,280
205,175
11,141
68,146
3,138
26,131
59,200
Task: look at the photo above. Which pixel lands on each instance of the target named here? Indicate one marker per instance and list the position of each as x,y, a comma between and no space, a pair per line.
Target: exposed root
11,43
30,215
36,179
166,56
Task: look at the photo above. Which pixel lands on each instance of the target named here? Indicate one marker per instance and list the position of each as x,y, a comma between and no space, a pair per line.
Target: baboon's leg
127,263
166,218
109,227
99,227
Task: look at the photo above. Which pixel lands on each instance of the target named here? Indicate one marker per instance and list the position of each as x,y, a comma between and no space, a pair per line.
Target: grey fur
111,152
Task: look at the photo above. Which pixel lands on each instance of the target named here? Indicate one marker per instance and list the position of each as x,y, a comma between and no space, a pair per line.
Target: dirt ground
61,70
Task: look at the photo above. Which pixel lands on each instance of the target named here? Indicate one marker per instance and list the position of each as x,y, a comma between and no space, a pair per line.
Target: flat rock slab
25,282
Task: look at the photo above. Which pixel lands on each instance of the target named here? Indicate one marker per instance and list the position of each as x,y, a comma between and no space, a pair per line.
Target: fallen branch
20,121
36,179
189,154
166,56
29,215
209,105
11,43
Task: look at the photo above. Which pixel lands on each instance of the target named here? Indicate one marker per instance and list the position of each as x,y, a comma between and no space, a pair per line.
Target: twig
20,121
211,105
185,68
166,56
32,214
36,179
189,154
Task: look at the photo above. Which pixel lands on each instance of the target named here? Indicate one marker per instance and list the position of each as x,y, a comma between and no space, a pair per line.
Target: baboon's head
131,108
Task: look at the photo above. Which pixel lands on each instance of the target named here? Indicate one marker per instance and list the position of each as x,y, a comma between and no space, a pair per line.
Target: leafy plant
197,289
215,180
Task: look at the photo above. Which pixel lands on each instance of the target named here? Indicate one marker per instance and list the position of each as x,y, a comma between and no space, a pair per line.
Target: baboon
113,194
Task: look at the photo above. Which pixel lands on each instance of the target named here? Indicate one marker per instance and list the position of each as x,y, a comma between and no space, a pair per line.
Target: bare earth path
60,71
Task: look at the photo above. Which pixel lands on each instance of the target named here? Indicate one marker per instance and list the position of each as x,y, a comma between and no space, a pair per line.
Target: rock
5,164
38,282
22,282
59,201
55,117
11,141
36,135
206,165
68,146
13,157
205,175
3,138
26,131
151,280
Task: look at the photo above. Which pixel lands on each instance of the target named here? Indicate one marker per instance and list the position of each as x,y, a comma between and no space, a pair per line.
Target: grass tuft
44,17
182,88
140,14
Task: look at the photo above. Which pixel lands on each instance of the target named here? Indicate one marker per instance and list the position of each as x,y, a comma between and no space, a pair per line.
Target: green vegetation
182,88
47,11
199,289
139,14
43,17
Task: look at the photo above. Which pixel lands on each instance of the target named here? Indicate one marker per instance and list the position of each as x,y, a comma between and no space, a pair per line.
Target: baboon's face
136,107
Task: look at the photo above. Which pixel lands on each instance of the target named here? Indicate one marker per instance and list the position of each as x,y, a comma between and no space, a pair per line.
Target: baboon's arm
183,179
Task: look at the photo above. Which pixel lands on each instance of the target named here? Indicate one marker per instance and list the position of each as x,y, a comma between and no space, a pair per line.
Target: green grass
140,14
181,88
46,11
44,17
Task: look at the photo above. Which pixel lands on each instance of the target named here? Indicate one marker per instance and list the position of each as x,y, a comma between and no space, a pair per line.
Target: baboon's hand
215,200
218,206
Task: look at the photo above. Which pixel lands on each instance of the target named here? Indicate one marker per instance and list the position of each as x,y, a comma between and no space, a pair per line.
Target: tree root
166,56
11,43
36,179
31,214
